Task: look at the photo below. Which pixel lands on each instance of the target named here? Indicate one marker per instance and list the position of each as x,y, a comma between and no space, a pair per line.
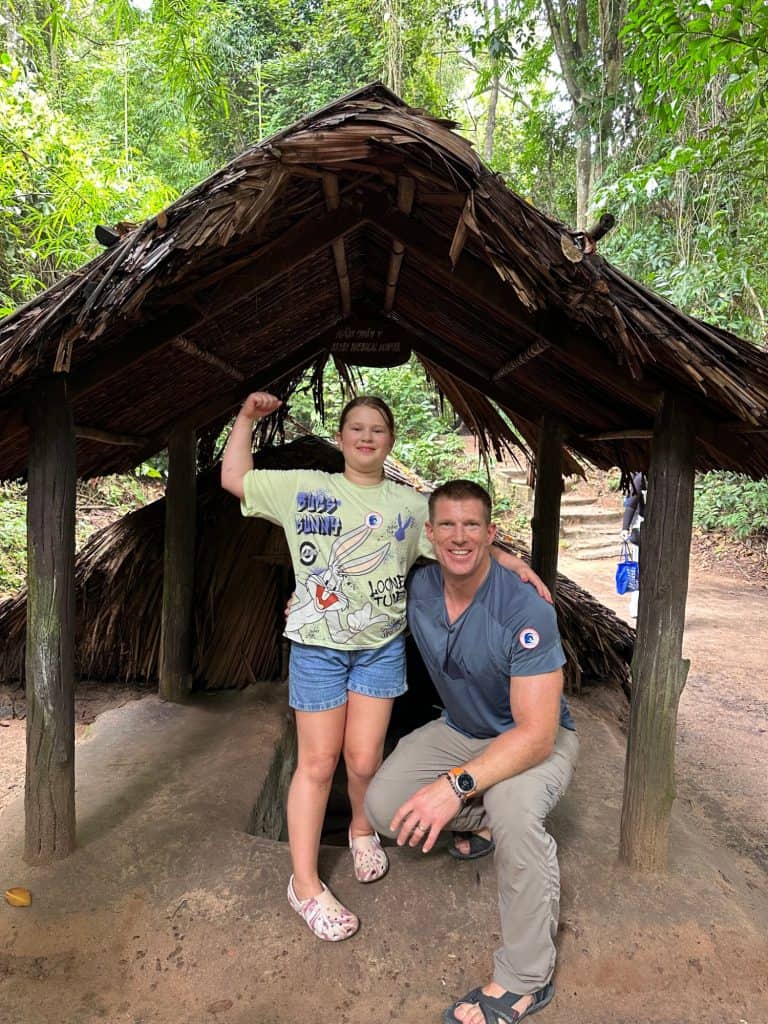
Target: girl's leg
364,734
320,737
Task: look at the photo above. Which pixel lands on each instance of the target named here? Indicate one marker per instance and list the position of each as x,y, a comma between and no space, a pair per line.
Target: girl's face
365,440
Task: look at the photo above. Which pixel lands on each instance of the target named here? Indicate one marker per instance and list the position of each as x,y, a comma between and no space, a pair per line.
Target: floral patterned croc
324,915
369,859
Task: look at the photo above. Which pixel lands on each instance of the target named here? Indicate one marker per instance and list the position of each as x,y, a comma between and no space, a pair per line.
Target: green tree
690,189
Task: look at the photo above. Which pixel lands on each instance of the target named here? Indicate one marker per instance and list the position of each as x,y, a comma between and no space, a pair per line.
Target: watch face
465,782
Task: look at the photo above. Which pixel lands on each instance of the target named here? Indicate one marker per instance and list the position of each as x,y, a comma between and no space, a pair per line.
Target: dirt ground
722,741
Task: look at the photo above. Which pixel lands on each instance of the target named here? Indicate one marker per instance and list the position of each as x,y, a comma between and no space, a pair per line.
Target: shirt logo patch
307,553
529,638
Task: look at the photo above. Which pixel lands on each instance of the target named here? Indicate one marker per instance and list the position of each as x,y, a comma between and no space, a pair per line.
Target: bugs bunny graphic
321,595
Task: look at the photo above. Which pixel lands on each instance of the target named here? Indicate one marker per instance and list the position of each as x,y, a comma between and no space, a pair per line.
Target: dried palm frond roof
366,231
242,580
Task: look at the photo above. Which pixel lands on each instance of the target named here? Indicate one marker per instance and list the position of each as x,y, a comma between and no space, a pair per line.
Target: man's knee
379,809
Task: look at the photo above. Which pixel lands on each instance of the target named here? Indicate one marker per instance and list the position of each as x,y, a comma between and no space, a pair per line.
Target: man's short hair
461,490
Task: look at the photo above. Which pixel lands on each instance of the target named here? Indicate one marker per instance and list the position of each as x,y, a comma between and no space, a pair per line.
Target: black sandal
498,1010
479,846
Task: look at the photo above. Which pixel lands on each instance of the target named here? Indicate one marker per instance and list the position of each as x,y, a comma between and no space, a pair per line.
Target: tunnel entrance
268,818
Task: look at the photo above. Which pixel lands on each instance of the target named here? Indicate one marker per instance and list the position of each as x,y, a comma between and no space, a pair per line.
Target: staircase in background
589,529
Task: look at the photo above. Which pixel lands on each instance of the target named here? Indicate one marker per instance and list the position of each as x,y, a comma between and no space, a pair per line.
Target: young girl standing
352,536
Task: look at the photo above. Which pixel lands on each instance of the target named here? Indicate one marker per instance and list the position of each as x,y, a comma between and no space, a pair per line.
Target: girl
353,536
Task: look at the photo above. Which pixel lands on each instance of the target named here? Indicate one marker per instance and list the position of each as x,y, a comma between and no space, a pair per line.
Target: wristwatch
462,782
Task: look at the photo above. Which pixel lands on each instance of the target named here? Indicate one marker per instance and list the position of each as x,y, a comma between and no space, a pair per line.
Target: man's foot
492,1004
471,845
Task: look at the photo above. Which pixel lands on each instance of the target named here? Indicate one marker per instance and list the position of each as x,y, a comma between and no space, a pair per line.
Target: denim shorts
320,677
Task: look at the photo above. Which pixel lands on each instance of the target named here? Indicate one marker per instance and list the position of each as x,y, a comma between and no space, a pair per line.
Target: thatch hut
366,231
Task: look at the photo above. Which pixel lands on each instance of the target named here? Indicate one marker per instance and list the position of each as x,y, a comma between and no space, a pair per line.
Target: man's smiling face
461,537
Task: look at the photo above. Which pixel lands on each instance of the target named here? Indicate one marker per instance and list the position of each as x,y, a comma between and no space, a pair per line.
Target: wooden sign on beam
369,343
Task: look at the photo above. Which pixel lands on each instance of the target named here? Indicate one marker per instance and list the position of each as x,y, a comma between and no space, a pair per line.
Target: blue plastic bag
627,572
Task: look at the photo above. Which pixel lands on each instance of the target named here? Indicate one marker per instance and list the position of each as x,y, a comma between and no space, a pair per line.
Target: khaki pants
526,855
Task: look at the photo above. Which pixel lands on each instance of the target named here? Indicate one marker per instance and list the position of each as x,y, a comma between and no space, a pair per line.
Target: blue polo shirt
507,630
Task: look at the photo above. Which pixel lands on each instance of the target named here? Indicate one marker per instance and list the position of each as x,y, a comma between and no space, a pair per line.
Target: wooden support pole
546,502
179,566
658,670
49,793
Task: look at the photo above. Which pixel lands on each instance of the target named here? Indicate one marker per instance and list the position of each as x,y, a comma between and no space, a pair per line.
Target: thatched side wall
243,578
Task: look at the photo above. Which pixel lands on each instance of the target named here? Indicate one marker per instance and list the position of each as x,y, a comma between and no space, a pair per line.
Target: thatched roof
242,580
371,225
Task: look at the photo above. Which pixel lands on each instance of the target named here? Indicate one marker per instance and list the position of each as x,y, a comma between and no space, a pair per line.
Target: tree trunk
179,566
492,14
612,14
490,124
581,46
583,172
49,792
658,670
546,502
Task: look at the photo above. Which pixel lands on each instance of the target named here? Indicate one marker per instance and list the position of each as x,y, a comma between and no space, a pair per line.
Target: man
503,752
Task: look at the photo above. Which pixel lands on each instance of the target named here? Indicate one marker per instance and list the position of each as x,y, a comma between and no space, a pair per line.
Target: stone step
569,500
585,514
583,532
593,552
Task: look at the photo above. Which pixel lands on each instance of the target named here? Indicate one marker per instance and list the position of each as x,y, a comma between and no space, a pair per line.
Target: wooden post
546,502
49,792
179,566
658,670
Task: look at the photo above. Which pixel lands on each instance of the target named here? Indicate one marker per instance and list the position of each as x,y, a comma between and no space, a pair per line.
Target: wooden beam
189,347
331,192
406,190
49,792
658,670
176,630
526,356
109,437
634,433
546,501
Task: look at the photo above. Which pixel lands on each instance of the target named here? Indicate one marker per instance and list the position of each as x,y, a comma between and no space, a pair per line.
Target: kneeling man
503,752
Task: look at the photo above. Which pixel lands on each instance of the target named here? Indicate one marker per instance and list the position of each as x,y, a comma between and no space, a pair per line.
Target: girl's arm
238,459
523,570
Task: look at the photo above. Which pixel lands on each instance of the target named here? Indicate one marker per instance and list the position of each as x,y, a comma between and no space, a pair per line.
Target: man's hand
425,814
260,404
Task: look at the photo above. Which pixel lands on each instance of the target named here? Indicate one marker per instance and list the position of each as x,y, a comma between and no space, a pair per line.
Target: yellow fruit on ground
18,897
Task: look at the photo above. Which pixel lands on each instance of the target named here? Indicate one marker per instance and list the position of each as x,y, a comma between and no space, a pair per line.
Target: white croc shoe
368,857
325,916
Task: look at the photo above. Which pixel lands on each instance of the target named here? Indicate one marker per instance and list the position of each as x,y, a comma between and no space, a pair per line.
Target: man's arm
238,460
535,704
523,570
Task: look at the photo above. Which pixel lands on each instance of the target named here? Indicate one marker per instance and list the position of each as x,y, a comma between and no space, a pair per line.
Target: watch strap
453,776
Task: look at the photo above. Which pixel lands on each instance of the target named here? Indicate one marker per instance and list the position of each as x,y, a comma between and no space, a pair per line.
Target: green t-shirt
351,549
